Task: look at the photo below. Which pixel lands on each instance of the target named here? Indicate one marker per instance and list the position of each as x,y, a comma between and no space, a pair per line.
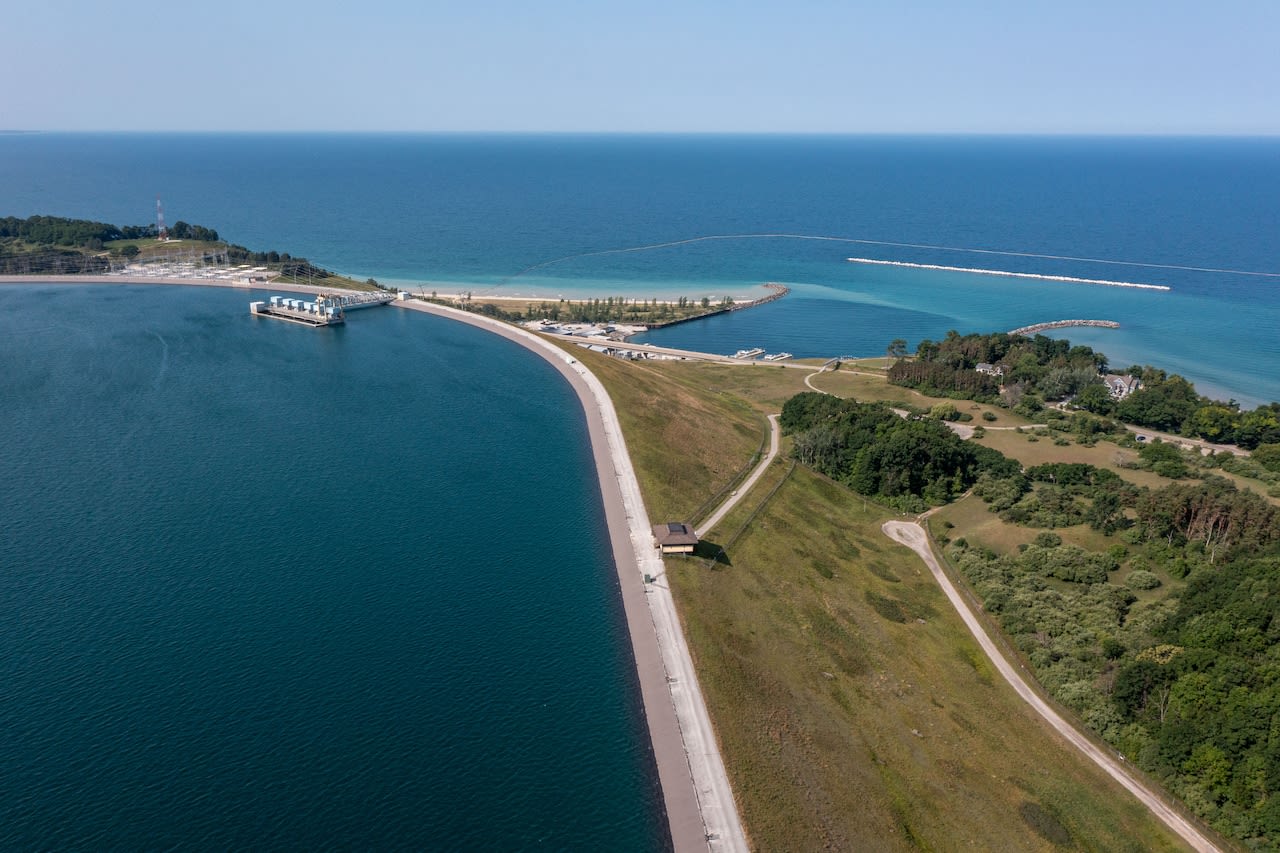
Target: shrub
988,416
1141,579
1268,456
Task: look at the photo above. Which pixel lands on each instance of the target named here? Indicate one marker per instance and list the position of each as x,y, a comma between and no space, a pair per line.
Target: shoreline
573,291
700,808
701,811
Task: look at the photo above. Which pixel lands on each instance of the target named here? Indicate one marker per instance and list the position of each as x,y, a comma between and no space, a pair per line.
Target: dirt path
913,536
775,436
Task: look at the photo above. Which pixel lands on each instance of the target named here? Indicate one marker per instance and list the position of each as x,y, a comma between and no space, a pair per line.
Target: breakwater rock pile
1063,324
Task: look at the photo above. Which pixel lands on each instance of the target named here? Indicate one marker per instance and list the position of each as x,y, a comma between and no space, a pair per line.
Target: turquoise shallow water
234,616
476,211
268,586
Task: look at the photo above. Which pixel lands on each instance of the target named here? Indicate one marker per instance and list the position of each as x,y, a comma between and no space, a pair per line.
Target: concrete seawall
700,809
695,786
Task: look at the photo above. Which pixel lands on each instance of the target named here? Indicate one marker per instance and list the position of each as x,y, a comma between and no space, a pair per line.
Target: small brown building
675,537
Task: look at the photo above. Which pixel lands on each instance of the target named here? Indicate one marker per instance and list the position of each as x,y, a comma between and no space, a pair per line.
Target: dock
327,310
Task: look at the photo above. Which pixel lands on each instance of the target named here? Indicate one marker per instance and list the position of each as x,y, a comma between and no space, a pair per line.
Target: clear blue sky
848,66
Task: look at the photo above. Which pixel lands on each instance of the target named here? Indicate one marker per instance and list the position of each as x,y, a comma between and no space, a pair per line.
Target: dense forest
1039,369
53,244
79,233
1185,685
1166,642
1040,366
911,463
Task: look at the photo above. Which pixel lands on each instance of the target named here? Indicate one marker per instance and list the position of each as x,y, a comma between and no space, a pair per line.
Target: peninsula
714,595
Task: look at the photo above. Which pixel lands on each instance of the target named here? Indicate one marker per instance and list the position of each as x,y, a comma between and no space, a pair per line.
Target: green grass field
687,443
763,386
854,710
983,528
868,387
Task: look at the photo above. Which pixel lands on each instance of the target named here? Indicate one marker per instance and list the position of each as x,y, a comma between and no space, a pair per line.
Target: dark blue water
472,211
263,585
269,586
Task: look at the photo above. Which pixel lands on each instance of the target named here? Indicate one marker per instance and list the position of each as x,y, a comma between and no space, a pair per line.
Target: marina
754,353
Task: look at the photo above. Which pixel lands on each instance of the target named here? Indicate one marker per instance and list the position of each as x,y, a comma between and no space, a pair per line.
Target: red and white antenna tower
162,233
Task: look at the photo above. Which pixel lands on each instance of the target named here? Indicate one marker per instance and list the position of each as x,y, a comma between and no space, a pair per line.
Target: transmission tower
162,233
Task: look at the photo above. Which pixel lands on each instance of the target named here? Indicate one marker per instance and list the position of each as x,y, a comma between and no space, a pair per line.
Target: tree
1260,426
1213,422
1105,514
1095,398
1268,456
1165,405
945,411
897,349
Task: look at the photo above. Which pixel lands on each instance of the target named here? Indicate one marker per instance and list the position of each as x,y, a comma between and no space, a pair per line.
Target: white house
1121,386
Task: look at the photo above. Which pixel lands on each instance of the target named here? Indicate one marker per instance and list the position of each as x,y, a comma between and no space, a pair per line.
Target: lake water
351,587
449,211
269,586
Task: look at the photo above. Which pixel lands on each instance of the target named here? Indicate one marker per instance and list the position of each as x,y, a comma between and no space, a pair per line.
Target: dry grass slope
686,444
853,709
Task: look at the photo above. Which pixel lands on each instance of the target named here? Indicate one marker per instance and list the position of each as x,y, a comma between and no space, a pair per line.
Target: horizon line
1005,134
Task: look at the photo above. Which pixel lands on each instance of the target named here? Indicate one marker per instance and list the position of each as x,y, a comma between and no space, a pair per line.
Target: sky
697,66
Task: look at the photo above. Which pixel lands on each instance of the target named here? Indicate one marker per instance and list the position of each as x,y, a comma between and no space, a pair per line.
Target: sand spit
1066,278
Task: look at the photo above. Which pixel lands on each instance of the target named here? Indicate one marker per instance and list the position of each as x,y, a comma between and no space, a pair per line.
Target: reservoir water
269,586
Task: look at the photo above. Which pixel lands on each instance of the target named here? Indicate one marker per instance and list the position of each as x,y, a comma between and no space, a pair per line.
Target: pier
328,309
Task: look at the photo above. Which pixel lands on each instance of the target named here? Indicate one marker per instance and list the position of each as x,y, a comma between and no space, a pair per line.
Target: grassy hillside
688,443
853,709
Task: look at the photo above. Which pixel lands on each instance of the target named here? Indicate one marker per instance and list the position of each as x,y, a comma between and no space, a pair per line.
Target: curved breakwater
1063,324
1008,274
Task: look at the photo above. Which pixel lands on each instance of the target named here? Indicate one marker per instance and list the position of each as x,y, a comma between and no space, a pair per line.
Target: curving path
775,435
913,536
